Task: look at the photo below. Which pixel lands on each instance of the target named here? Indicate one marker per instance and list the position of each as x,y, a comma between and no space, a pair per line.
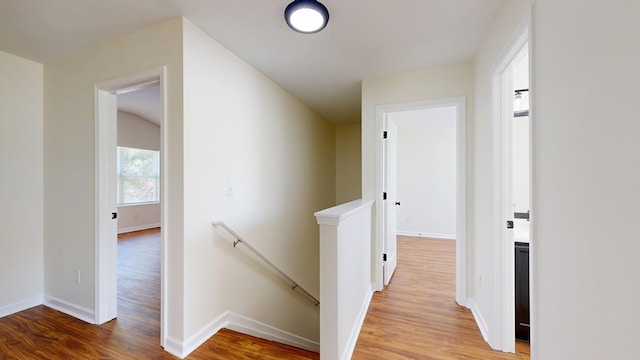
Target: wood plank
416,317
43,333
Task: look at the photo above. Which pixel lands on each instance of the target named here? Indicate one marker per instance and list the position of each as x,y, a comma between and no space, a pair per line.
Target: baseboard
183,348
241,324
77,311
138,228
174,347
355,332
427,235
20,305
477,315
261,330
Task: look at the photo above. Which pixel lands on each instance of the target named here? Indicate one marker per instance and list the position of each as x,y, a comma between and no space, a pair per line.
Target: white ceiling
364,38
144,103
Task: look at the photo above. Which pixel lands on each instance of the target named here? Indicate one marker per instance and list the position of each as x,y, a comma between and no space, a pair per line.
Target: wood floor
43,333
415,318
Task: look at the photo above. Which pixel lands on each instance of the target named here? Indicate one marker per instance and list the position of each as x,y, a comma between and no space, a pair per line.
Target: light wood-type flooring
415,318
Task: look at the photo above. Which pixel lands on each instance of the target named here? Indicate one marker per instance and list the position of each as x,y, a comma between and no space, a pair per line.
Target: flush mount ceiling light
306,16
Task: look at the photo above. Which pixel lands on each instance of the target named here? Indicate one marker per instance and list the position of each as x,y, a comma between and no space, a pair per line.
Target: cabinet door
522,291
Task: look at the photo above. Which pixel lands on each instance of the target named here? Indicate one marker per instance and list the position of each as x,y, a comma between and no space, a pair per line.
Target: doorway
385,204
512,195
106,102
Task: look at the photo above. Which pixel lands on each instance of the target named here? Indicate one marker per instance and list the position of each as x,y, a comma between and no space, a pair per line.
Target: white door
390,186
107,235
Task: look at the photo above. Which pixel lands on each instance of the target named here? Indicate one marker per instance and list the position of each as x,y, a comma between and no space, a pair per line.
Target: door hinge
384,257
384,134
384,196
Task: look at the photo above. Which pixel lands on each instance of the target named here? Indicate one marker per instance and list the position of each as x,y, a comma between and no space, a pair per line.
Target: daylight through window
138,176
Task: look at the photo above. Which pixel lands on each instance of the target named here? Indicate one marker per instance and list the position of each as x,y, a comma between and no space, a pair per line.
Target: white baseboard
477,315
20,305
261,330
77,311
241,324
138,228
174,347
355,332
427,235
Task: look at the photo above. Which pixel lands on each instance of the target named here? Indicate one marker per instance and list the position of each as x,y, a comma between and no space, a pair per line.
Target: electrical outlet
230,189
76,274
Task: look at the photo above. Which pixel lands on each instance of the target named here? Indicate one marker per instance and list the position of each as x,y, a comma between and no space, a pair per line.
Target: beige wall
21,183
136,132
69,161
426,177
348,163
242,129
586,132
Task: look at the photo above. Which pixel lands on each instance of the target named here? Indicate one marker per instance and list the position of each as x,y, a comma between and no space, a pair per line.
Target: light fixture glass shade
306,16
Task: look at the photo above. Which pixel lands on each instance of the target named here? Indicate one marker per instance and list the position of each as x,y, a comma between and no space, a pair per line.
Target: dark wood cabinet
522,291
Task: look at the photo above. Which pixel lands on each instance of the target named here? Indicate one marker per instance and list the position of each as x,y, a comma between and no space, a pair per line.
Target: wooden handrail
274,268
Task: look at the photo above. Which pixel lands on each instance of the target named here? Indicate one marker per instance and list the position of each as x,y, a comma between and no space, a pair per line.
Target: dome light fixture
306,16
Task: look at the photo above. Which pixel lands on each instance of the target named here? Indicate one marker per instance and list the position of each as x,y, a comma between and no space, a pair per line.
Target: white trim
337,214
106,249
355,332
174,347
138,228
139,204
241,324
247,326
427,235
77,311
461,191
21,305
501,335
477,316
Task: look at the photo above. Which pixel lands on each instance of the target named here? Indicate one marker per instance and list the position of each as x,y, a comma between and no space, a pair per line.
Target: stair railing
240,240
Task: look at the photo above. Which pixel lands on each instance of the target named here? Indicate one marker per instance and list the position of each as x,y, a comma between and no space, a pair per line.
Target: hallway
416,317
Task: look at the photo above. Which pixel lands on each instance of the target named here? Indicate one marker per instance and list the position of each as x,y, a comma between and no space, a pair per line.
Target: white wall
242,129
21,184
136,132
483,262
348,163
69,161
585,176
427,172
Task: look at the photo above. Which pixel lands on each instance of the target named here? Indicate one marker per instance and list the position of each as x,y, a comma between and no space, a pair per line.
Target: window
138,176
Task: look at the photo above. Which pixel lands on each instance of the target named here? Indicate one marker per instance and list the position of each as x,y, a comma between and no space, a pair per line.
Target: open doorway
386,225
512,191
140,143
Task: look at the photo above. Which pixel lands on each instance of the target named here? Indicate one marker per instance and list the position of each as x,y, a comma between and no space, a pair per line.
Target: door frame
106,249
461,188
502,334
